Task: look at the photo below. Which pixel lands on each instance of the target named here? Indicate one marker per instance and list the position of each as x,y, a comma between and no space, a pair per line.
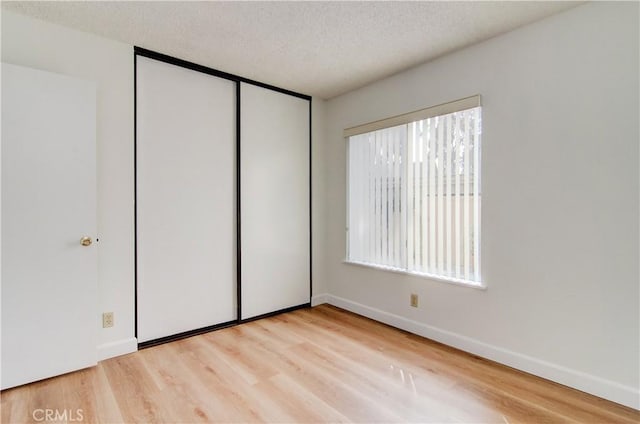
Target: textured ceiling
318,48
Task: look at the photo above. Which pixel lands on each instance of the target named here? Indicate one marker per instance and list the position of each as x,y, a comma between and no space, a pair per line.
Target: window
414,192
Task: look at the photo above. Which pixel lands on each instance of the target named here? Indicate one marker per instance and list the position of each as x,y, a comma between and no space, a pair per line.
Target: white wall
40,45
560,195
318,195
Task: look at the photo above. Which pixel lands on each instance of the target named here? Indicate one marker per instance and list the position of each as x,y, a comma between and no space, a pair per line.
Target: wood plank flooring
312,365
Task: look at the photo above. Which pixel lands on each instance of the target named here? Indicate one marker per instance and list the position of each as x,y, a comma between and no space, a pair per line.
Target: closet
274,169
222,199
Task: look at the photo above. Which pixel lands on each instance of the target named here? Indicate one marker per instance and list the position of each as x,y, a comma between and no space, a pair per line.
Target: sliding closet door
185,199
274,194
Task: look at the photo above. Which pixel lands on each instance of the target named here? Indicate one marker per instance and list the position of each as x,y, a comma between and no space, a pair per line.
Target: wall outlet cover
107,319
414,300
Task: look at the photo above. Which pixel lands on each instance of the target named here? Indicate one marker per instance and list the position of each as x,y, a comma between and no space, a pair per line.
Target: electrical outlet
414,300
107,319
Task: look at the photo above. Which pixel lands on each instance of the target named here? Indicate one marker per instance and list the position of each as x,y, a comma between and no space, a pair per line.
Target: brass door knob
86,241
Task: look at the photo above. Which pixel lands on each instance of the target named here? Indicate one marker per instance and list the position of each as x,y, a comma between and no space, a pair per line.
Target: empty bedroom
320,211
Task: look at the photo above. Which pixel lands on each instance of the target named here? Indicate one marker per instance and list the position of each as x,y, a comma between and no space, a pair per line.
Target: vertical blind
414,196
377,197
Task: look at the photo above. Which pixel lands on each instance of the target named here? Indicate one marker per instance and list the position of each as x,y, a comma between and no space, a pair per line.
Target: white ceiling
318,48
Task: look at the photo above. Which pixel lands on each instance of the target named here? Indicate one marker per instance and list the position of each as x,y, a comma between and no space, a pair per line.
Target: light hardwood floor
313,365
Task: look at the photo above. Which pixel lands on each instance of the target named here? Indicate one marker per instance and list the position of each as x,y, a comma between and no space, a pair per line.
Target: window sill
455,281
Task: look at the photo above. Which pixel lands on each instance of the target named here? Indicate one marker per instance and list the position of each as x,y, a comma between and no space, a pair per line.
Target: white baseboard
597,386
319,299
117,348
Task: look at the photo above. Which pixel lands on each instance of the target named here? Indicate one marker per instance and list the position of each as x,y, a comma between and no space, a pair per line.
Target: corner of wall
318,188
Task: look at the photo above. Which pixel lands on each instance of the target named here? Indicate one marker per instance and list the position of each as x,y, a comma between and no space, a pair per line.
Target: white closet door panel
274,180
186,225
49,280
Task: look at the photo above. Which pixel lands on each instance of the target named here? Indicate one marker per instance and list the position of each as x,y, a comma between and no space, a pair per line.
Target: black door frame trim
206,70
139,51
185,334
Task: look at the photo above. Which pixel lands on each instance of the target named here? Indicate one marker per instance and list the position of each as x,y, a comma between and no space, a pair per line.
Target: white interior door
274,154
186,214
49,280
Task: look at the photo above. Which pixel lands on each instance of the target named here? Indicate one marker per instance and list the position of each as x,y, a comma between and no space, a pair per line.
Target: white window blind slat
449,211
356,195
431,195
363,225
422,234
351,241
476,195
360,185
411,198
397,182
403,200
390,214
459,156
383,198
465,230
440,167
372,199
377,195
